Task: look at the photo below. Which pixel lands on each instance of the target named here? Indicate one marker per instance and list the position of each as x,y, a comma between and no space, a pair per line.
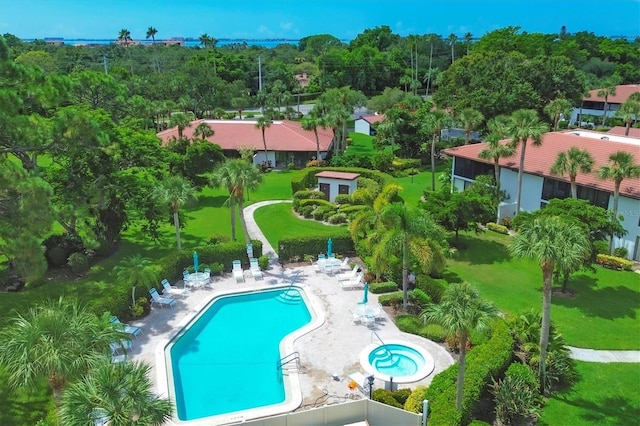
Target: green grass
288,225
606,394
603,314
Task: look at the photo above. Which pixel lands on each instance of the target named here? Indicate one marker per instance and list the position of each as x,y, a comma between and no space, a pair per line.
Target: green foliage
433,287
139,308
420,298
458,211
613,262
483,363
320,213
263,262
337,218
299,247
351,210
78,263
393,299
316,202
621,252
306,211
414,325
516,396
601,247
309,193
382,161
413,403
500,229
385,287
57,256
507,222
218,238
386,397
342,199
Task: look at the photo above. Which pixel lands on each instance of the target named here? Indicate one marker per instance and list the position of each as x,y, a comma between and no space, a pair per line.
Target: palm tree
621,166
203,130
263,123
555,244
470,118
411,232
248,177
629,112
224,176
468,38
608,90
151,32
524,126
175,191
311,122
495,151
571,162
452,39
124,36
434,122
209,42
57,340
121,393
368,219
500,125
181,121
137,271
460,312
239,103
556,109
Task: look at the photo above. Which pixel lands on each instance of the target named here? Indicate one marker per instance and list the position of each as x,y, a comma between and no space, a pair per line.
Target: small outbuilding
364,124
334,183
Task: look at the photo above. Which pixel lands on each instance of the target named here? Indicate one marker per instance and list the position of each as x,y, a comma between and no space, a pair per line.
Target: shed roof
338,175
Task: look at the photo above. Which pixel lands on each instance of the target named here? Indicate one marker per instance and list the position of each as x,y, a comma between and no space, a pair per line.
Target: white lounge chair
356,283
344,265
173,290
237,271
162,301
129,329
347,276
256,272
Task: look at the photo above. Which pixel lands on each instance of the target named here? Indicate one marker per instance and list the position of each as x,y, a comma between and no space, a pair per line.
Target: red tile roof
338,175
620,130
622,94
285,135
538,160
371,118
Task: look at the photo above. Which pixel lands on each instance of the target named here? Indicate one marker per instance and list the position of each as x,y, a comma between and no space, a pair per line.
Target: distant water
189,42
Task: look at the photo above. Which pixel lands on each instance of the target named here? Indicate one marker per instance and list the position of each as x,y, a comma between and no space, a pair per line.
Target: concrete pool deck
331,350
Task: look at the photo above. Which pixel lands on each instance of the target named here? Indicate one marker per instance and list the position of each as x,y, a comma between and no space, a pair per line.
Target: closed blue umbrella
329,247
365,298
195,261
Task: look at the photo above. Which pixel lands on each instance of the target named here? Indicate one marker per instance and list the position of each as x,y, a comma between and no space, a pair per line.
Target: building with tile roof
364,124
634,132
287,142
539,185
592,104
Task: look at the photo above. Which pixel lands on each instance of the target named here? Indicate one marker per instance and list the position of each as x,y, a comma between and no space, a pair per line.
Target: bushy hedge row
414,325
395,398
432,286
312,202
386,287
614,262
290,248
500,229
306,178
484,362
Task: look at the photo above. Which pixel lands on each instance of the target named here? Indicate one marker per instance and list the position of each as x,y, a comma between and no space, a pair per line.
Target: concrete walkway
580,354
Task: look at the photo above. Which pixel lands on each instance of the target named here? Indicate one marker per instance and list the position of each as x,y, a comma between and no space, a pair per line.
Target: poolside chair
207,280
162,301
360,380
237,271
345,264
256,272
356,283
120,347
129,329
168,289
118,358
347,276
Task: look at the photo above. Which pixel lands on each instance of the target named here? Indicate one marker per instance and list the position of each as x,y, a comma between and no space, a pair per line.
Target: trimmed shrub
516,395
620,252
414,325
500,229
309,194
386,397
56,256
382,161
306,211
601,247
420,298
433,287
413,403
350,209
301,246
433,332
370,184
613,262
337,218
316,203
78,263
323,211
342,199
386,287
391,299
218,238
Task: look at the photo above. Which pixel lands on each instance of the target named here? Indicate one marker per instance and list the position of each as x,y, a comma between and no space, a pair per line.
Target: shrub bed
386,287
613,262
290,248
500,229
306,178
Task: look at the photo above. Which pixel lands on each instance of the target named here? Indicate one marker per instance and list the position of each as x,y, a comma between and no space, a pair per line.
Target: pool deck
331,350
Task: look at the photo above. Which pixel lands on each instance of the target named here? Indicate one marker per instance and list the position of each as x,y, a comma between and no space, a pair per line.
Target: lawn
603,314
605,394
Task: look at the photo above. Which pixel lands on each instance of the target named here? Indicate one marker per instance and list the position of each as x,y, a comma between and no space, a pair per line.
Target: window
594,196
471,169
552,188
343,189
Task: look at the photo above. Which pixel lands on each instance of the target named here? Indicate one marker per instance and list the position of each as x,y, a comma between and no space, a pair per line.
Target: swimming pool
397,361
226,359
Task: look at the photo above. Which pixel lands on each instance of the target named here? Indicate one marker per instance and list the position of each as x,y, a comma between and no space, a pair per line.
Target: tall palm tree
434,122
495,151
460,312
58,340
151,32
500,125
224,176
609,89
452,39
124,36
203,130
248,177
411,232
368,219
556,109
389,128
209,42
263,123
137,271
311,122
181,121
471,119
468,38
121,393
175,191
525,125
555,244
621,166
571,162
629,112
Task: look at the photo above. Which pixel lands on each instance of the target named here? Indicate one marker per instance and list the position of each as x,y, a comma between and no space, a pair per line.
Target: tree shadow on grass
616,410
208,201
21,406
481,251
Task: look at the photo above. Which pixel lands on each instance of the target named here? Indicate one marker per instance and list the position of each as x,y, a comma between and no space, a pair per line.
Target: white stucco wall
259,158
334,185
630,210
362,126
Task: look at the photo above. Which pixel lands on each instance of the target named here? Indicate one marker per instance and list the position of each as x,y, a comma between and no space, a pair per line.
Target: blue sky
299,18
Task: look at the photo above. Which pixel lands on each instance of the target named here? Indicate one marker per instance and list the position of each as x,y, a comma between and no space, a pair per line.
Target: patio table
196,280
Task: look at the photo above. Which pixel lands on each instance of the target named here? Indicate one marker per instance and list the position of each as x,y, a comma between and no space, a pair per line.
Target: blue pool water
396,360
226,360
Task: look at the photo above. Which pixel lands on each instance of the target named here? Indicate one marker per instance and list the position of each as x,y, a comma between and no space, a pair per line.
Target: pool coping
291,380
366,365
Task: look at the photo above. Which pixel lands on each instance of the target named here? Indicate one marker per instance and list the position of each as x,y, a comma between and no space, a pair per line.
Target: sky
294,19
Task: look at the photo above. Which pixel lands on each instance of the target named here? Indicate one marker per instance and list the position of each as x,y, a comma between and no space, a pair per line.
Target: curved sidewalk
580,354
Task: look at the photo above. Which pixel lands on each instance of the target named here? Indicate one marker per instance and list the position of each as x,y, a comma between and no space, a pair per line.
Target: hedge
484,362
306,178
500,229
613,262
312,202
386,287
414,325
290,248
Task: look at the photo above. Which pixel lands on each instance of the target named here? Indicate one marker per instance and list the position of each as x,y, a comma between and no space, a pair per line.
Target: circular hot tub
397,361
